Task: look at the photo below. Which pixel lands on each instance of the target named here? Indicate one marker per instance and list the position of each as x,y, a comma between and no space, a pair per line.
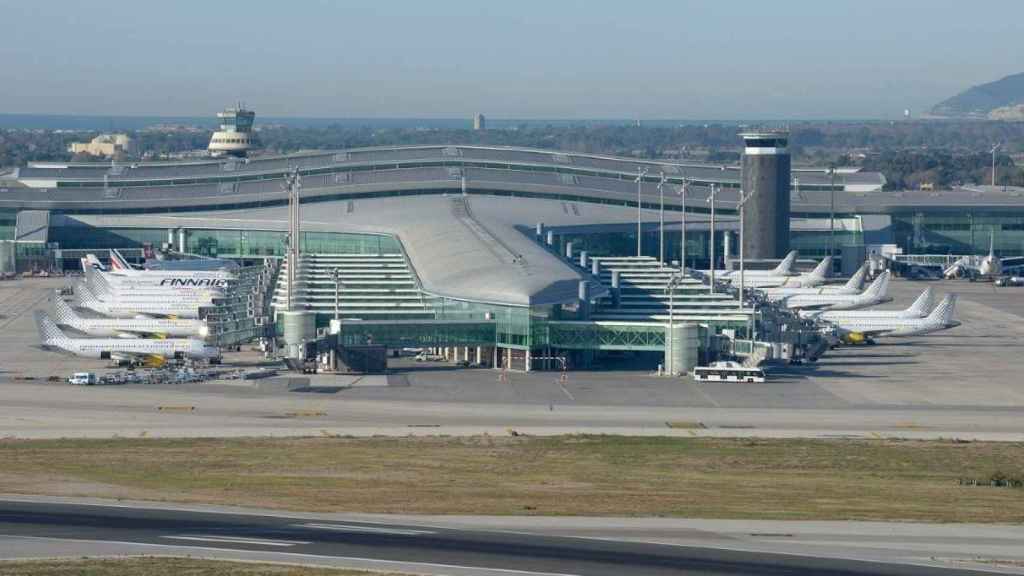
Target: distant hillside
999,99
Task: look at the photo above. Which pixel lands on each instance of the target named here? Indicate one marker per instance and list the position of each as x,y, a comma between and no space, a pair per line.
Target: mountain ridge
1001,99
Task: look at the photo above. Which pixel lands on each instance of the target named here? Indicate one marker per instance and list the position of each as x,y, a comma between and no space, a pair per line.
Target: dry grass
148,566
569,475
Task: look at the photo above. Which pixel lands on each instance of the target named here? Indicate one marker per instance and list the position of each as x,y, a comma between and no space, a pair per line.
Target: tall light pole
711,240
994,148
336,273
673,282
661,222
640,173
832,212
682,225
741,203
292,184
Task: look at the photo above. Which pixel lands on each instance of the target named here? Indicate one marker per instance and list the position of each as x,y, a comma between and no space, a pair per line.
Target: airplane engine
854,338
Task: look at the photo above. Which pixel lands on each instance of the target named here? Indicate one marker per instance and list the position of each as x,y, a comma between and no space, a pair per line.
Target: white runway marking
237,540
369,529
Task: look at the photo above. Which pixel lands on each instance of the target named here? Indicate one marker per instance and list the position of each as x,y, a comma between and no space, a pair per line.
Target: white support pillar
479,355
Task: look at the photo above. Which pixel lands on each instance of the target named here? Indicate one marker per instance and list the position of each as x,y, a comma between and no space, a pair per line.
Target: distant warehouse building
106,145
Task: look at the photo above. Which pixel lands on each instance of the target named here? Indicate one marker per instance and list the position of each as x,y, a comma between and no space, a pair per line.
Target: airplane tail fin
786,266
85,298
99,284
943,313
94,262
879,288
823,269
117,262
64,314
856,282
49,333
923,304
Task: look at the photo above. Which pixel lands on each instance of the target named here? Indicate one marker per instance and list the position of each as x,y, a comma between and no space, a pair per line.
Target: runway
38,528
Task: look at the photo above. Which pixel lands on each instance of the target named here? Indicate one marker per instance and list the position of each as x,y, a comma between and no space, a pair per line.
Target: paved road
415,547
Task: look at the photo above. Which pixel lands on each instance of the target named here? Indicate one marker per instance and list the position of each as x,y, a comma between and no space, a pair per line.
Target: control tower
766,174
235,136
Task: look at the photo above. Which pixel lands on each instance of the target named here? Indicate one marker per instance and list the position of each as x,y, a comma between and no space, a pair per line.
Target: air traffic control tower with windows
766,175
235,136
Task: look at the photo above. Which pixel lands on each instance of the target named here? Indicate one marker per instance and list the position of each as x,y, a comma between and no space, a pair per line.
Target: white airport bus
727,372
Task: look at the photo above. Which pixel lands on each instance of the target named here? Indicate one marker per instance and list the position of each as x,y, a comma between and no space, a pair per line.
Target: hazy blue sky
508,59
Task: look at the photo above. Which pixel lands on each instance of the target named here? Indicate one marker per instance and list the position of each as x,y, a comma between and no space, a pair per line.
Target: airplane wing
143,334
809,307
869,333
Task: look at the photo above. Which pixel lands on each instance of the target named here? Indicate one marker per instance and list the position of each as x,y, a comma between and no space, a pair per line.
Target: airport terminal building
503,252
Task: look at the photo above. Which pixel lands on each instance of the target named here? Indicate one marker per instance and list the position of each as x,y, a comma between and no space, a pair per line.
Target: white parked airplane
919,309
785,268
128,327
855,330
121,269
989,267
811,279
852,286
125,350
876,293
121,308
107,287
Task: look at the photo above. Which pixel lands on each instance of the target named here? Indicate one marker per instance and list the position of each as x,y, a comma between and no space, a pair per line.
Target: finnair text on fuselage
194,282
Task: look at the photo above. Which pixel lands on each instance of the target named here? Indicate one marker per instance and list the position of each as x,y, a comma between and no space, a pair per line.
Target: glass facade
965,232
814,243
8,221
223,243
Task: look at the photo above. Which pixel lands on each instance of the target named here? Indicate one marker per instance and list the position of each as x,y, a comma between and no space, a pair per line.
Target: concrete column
595,267
527,361
584,298
540,229
465,353
551,238
583,258
727,245
479,355
568,250
616,291
181,240
170,237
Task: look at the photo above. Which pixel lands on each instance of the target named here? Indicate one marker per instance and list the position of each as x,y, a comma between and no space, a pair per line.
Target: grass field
569,475
163,567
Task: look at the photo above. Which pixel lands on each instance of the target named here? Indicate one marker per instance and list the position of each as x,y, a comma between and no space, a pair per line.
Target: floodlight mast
640,173
682,224
292,184
741,204
995,147
673,283
832,211
661,222
711,242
